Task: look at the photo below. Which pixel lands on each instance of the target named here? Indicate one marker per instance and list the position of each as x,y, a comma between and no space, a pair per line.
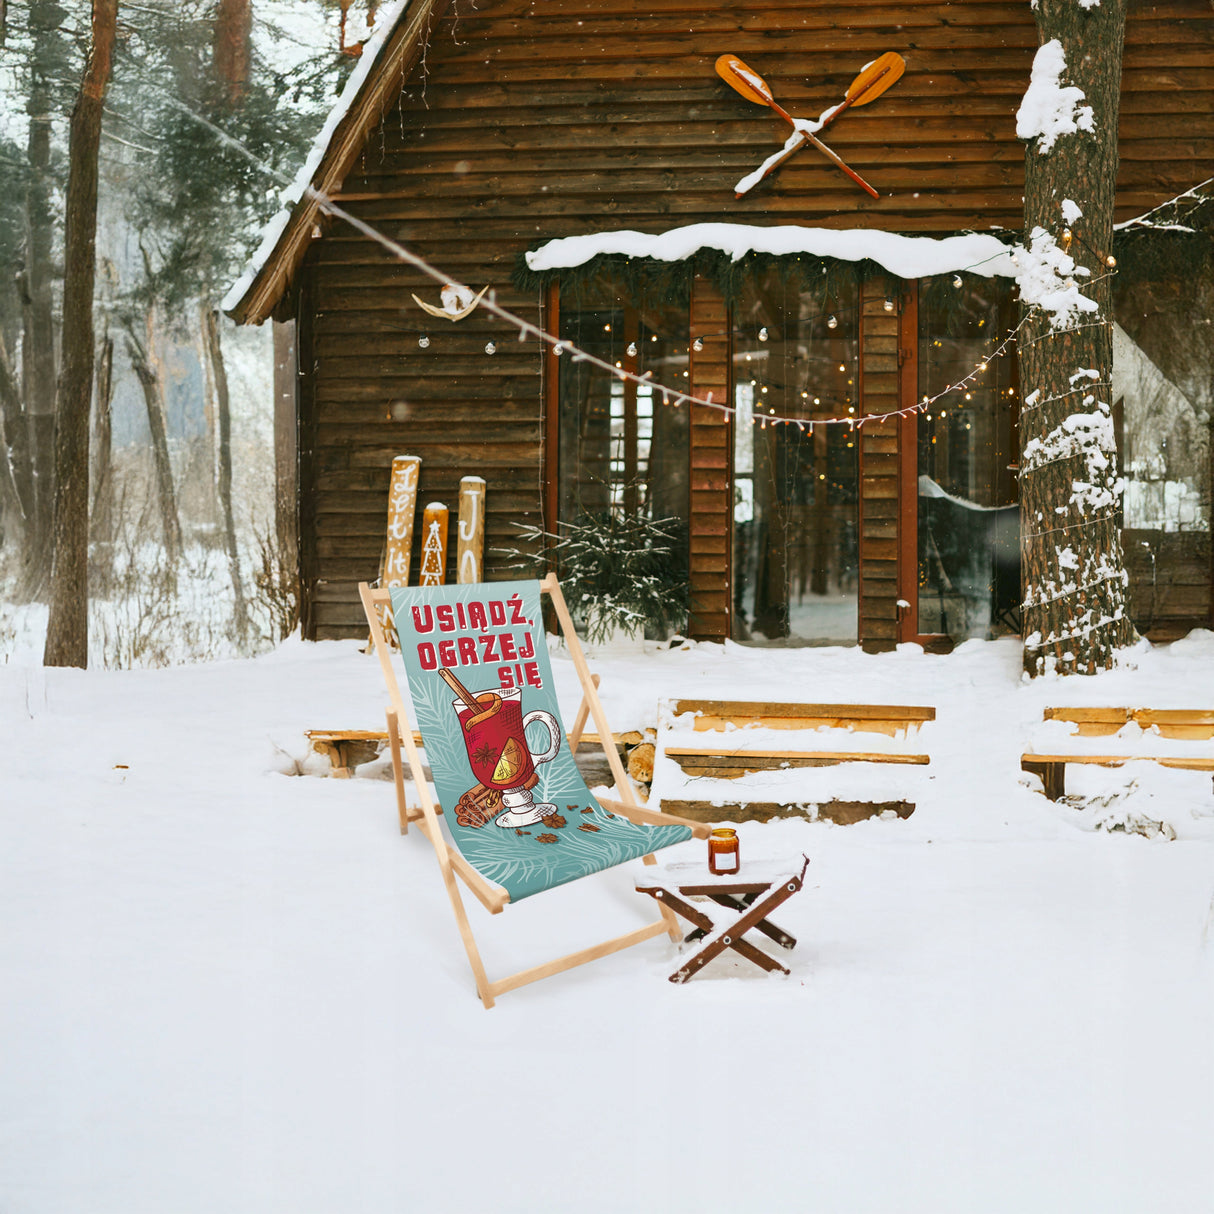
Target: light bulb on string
632,349
763,334
697,345
832,321
424,342
888,305
957,281
490,347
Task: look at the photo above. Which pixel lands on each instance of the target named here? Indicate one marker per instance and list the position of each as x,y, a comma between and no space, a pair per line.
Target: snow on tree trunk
67,633
1073,578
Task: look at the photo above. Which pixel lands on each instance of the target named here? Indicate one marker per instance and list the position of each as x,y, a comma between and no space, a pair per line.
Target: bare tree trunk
223,401
12,510
38,343
231,54
149,381
101,522
14,453
1073,576
211,502
67,632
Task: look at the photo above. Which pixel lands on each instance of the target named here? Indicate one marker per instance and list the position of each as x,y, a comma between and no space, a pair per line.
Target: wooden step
1184,723
873,718
842,813
733,765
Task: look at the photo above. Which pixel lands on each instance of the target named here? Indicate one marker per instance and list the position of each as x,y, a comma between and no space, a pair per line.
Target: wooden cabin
476,136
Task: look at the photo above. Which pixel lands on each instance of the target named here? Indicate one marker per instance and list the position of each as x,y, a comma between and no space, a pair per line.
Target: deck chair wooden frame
451,863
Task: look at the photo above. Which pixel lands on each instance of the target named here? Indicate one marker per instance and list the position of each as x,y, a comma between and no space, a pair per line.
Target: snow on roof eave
905,256
251,298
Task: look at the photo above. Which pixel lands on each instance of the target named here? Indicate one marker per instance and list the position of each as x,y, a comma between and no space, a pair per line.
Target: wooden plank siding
711,458
525,121
880,392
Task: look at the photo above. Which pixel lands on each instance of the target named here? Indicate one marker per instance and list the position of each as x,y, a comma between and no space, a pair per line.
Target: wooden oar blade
874,79
743,79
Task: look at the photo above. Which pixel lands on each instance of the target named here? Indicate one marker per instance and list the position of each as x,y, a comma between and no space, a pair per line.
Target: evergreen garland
821,278
670,281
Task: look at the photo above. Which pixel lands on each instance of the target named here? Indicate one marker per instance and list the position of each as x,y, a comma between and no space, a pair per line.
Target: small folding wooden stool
747,901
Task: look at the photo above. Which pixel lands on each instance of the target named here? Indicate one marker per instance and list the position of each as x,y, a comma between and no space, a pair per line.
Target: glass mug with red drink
494,729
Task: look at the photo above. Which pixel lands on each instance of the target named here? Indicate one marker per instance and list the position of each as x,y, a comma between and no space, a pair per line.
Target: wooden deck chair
516,807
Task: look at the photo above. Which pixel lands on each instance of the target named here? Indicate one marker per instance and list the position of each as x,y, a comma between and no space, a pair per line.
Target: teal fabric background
481,616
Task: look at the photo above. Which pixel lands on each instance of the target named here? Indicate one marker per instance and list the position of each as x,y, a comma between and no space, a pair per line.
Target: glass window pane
620,448
795,531
969,555
1163,396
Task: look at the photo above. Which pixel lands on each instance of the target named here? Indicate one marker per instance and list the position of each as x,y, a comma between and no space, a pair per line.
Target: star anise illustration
483,754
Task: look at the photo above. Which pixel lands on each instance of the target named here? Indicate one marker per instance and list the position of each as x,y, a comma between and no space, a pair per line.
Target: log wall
880,497
523,121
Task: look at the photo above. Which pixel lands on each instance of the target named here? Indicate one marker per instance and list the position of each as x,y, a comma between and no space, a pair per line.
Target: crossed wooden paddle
872,81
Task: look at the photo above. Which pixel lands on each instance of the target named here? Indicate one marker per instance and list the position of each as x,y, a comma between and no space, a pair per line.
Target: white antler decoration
458,302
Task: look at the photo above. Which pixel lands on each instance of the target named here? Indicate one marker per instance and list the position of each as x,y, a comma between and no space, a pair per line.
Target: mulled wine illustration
494,729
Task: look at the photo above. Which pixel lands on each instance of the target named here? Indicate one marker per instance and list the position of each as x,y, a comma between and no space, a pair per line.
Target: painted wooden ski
469,562
402,506
434,546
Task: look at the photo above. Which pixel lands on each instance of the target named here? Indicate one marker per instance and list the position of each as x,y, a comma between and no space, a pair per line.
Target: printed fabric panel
476,661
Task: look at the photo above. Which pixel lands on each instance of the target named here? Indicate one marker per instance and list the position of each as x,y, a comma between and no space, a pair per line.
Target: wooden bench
1187,724
731,761
347,748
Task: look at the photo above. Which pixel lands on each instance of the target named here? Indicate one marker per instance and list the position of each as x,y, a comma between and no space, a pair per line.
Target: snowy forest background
184,560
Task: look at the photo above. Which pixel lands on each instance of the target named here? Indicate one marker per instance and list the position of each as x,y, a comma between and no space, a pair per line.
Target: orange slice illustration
510,764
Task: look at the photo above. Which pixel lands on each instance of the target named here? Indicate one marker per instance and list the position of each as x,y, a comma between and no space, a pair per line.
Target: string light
763,334
424,342
832,321
632,349
526,328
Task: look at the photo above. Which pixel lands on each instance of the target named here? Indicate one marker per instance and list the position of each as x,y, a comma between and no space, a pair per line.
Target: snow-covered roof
253,295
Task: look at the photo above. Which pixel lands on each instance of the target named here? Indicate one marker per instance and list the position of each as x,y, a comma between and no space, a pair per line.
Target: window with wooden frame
619,446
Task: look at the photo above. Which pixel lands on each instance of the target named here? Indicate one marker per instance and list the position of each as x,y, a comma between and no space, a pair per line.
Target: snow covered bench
1142,735
750,738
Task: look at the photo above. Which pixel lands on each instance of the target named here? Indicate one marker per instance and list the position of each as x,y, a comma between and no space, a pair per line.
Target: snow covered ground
223,988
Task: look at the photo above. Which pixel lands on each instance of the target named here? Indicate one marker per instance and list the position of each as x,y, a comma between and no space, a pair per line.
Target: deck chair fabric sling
514,803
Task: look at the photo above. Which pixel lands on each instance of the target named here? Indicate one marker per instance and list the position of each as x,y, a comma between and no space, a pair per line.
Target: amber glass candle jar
724,856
